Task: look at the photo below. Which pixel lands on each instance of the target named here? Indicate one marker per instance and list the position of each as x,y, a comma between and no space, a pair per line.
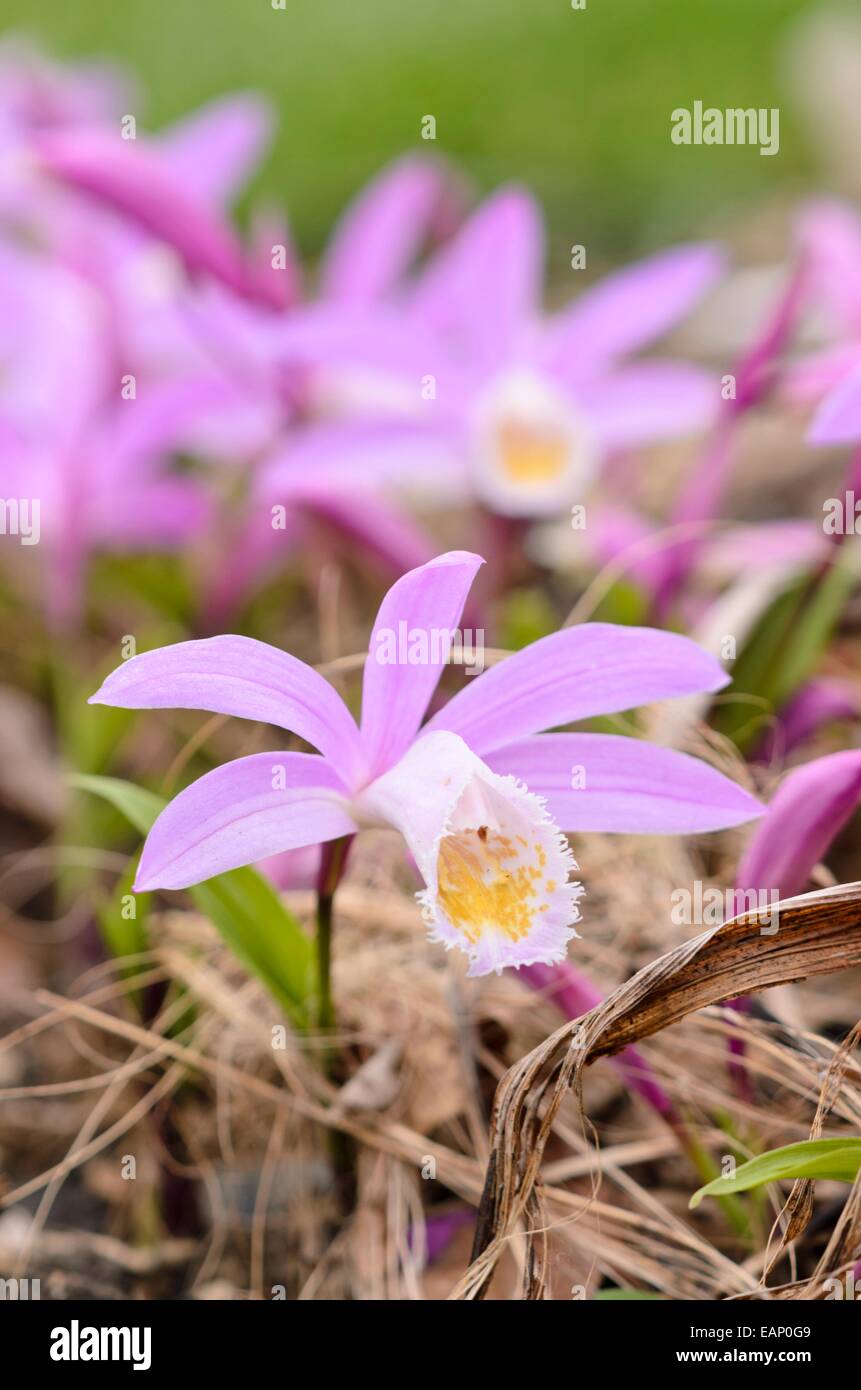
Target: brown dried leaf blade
818,934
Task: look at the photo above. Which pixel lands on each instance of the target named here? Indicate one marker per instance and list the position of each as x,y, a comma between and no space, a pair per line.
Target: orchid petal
407,652
243,812
332,335
838,419
138,181
806,381
630,309
483,288
148,513
213,151
651,401
597,668
830,232
495,866
761,546
359,456
816,704
293,869
810,808
161,417
386,532
625,786
242,677
381,231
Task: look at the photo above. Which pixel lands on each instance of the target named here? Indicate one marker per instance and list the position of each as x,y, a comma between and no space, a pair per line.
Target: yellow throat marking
485,882
530,455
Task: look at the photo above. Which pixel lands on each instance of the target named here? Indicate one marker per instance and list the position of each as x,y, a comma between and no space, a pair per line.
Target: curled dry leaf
818,934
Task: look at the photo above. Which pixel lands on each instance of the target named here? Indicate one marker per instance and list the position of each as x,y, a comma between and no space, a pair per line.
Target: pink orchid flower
838,419
97,466
813,803
514,408
809,809
479,794
172,186
40,97
830,235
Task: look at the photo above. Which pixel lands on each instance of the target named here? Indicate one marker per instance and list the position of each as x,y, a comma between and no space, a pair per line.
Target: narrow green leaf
525,616
124,935
625,603
139,806
242,904
627,1296
784,647
267,938
836,1159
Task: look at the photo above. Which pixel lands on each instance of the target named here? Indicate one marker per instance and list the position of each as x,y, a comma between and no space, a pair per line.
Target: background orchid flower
813,803
811,806
838,417
97,465
819,702
830,377
479,794
829,237
170,186
38,97
524,408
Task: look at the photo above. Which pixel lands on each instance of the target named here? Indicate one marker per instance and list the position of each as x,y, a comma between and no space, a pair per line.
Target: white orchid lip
534,450
495,865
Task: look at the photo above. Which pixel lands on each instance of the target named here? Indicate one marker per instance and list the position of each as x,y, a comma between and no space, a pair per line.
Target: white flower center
495,865
535,452
502,878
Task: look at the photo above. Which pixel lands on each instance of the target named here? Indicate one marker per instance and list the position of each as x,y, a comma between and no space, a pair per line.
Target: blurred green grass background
575,102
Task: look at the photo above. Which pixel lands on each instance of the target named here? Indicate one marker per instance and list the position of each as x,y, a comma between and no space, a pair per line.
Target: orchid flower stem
332,865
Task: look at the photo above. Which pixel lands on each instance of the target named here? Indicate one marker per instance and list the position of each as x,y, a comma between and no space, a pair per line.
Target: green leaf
526,615
627,1295
836,1159
784,647
242,904
139,806
257,926
124,935
625,603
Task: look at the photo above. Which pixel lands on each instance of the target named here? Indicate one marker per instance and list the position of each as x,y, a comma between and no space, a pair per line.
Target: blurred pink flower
830,235
96,464
811,806
466,386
